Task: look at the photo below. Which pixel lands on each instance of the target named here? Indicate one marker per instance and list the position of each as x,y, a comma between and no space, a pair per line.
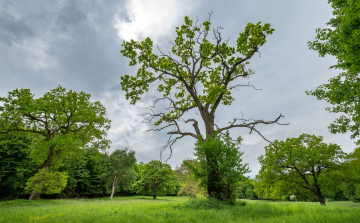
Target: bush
292,198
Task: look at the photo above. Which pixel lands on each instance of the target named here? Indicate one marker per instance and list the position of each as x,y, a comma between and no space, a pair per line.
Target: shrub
292,198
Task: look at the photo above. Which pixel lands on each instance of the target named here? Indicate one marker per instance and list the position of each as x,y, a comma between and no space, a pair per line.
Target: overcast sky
76,44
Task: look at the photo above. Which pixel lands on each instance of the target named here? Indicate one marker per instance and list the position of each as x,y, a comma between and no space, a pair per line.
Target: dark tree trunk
154,196
36,192
320,196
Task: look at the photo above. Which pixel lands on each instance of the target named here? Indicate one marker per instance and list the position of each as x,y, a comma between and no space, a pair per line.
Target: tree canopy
120,169
199,73
62,121
157,179
342,40
301,163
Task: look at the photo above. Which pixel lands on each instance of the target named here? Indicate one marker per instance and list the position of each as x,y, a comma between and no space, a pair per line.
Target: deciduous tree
120,170
302,162
199,73
62,121
157,179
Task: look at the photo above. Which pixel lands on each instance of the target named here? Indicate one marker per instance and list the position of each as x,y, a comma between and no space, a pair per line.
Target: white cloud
152,18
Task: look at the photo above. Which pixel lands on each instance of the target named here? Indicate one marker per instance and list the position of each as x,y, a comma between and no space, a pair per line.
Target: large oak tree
199,74
62,122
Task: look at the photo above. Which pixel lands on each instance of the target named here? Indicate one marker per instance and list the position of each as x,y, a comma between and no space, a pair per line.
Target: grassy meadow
173,209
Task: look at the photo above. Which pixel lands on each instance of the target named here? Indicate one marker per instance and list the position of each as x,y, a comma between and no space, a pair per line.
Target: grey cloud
13,30
70,16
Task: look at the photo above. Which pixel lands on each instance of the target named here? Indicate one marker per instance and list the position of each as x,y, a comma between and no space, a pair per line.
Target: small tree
157,179
199,73
120,169
302,162
61,123
190,184
229,166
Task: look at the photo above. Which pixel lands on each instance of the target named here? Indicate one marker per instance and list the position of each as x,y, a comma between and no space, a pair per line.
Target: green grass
171,209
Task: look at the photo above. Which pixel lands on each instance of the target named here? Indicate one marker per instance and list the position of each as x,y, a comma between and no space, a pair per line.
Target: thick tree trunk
113,186
36,192
154,196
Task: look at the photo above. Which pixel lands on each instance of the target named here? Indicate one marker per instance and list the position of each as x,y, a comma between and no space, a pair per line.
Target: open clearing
169,209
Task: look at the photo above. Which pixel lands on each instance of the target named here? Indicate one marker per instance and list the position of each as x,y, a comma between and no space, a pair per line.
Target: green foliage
342,40
191,42
52,182
249,192
156,179
84,170
351,176
15,165
189,183
120,171
270,189
300,163
220,166
60,122
198,74
245,188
